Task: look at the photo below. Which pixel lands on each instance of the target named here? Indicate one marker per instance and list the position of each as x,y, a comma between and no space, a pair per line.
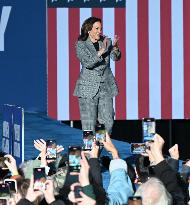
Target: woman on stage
96,85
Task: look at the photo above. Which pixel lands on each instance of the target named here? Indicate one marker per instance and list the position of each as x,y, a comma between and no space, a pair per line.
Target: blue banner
18,134
13,132
23,54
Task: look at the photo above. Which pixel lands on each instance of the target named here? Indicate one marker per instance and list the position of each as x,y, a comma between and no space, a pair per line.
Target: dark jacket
27,202
170,178
96,181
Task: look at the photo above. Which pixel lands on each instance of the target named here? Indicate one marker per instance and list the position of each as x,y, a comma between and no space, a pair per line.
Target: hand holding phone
12,185
100,133
4,191
74,153
88,139
51,149
2,162
149,129
138,148
39,178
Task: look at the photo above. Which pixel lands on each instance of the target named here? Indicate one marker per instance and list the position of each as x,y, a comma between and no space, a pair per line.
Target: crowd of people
152,180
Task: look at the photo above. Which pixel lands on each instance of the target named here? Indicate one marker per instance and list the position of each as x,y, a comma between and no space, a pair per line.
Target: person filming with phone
96,85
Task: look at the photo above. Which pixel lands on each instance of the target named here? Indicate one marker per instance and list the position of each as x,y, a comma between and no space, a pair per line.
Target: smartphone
138,148
77,190
39,178
4,191
74,153
135,200
100,133
149,129
12,185
2,162
88,139
51,149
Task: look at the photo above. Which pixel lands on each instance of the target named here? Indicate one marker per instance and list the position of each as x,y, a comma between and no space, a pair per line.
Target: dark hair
3,172
142,163
22,186
87,26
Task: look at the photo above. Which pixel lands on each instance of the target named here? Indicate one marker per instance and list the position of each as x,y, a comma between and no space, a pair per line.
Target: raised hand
84,171
31,194
11,164
71,194
105,43
59,148
40,145
115,42
156,149
83,175
104,46
83,200
49,191
110,147
187,163
174,152
95,151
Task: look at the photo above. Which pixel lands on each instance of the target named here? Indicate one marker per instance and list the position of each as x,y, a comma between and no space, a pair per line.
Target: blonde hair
153,192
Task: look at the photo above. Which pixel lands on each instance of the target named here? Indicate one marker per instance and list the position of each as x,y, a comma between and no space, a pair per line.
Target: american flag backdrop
153,74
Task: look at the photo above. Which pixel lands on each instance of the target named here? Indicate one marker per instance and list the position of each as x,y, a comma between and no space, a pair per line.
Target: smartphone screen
4,191
134,200
39,178
88,139
74,158
138,148
12,185
51,149
100,133
149,129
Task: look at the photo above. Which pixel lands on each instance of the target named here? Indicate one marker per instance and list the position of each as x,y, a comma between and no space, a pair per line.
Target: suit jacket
95,69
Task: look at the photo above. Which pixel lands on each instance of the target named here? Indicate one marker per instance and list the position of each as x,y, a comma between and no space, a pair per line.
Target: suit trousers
98,108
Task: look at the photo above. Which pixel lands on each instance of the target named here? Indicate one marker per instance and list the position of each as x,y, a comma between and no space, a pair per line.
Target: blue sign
23,54
13,132
18,134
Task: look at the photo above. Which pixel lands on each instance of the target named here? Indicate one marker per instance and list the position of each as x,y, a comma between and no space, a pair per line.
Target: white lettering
5,129
17,132
5,145
16,149
3,24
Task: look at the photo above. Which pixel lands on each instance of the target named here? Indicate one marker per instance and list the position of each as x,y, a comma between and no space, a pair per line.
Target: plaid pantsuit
96,85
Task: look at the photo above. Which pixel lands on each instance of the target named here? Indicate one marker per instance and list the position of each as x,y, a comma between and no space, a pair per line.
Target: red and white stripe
153,74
